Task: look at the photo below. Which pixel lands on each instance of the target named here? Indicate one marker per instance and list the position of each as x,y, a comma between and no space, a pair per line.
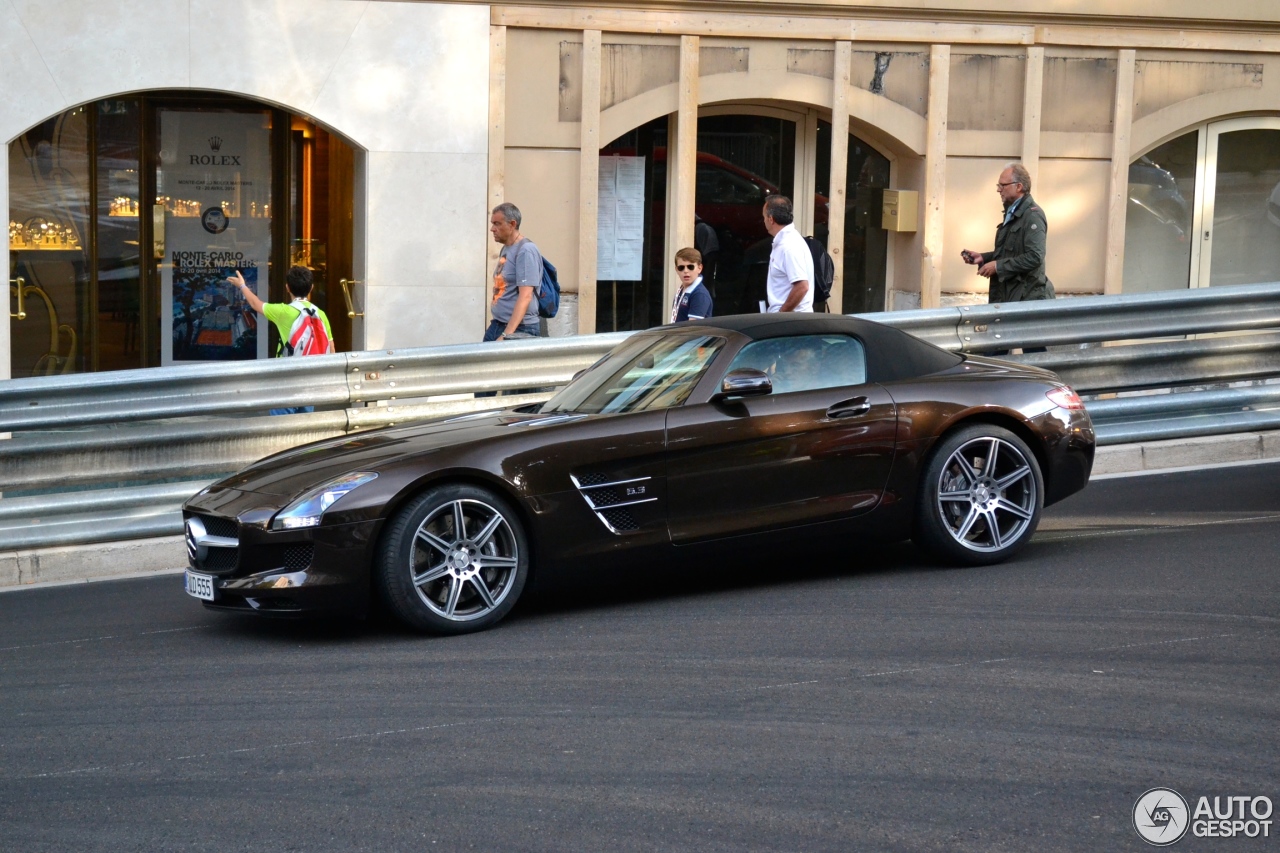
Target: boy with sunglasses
692,301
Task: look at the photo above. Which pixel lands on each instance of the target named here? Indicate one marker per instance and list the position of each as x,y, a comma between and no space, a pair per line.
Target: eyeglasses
1001,186
683,267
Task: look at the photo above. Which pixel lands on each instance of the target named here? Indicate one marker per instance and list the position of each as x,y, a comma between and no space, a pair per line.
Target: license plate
200,586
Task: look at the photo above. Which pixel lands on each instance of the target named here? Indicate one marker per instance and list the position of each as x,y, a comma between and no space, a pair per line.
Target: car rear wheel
454,560
980,496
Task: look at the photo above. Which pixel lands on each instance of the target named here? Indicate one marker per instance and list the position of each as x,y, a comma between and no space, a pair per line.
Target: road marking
1062,534
941,666
100,639
273,746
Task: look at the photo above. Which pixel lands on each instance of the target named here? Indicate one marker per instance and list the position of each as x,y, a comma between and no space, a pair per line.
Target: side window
807,363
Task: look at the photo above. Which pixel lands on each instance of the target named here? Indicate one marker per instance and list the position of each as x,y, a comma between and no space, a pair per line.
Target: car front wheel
980,496
454,560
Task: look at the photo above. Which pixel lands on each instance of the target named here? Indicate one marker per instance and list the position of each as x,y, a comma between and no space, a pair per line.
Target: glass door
741,159
213,216
1238,227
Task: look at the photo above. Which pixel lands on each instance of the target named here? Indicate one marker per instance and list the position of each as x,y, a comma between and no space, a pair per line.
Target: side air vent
606,497
619,520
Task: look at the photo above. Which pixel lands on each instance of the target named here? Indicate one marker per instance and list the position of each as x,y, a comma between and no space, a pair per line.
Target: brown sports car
692,440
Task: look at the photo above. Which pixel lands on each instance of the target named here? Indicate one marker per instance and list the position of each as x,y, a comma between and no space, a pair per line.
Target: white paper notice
620,234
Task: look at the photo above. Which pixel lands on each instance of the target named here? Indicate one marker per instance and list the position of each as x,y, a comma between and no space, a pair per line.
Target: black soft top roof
891,354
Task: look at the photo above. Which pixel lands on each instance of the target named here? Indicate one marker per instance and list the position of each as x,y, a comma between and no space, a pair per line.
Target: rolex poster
214,187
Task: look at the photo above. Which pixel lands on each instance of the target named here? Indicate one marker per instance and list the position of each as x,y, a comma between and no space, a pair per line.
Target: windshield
646,372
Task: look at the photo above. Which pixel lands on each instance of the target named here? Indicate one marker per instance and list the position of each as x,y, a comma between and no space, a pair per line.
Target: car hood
294,471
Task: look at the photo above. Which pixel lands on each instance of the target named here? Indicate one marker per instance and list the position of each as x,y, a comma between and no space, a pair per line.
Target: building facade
154,147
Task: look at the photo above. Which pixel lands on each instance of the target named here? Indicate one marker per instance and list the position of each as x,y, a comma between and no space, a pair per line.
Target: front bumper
315,570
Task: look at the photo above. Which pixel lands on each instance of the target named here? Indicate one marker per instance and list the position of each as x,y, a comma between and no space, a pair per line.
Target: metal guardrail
112,455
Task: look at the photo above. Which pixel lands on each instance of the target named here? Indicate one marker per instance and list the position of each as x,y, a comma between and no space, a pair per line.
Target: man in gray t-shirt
516,280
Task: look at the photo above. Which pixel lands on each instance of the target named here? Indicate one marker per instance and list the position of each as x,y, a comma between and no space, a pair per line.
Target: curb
1209,450
145,557
82,563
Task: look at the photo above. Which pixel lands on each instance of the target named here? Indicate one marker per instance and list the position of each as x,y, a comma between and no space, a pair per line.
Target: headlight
306,510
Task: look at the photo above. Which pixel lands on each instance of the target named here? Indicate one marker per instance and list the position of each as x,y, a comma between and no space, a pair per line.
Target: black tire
969,512
441,579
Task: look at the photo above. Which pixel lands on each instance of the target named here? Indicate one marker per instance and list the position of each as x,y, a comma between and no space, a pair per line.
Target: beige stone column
839,168
935,176
682,167
589,181
1032,98
497,143
1118,197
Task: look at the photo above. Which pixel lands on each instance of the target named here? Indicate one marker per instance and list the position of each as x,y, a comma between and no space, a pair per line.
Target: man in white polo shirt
790,263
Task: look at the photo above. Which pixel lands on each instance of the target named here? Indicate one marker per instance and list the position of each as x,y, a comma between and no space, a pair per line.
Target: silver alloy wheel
987,494
464,559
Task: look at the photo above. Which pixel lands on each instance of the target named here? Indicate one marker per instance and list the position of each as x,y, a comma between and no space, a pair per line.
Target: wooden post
1032,97
589,181
805,176
935,177
1117,202
497,145
683,168
837,197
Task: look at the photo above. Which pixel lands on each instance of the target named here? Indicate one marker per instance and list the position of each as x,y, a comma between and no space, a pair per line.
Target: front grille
298,557
216,526
220,559
619,519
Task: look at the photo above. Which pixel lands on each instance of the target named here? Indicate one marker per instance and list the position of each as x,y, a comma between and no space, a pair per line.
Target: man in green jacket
1015,267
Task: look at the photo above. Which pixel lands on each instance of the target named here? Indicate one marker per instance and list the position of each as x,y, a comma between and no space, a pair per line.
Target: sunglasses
683,267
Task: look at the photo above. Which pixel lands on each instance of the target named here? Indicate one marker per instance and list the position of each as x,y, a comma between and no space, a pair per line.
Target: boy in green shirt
299,283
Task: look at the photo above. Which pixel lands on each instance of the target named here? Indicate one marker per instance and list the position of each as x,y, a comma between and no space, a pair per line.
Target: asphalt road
870,703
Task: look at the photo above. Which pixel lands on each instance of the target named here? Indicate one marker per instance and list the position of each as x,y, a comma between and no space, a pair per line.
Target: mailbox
899,210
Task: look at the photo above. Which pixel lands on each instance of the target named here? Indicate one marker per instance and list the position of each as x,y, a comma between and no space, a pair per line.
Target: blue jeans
497,327
294,410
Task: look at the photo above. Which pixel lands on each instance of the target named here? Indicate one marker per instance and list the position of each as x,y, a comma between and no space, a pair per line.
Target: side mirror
744,382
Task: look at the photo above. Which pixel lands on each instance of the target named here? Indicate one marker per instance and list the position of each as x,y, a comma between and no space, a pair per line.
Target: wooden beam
1110,34
684,168
497,142
667,22
589,182
1032,96
935,176
839,169
933,32
1117,202
755,25
1158,39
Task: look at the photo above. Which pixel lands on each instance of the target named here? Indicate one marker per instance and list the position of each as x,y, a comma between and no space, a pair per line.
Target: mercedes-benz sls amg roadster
692,441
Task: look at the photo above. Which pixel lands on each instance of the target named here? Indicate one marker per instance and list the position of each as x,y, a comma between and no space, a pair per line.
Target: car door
816,449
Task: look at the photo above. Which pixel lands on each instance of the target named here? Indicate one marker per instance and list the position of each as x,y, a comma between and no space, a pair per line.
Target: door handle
850,408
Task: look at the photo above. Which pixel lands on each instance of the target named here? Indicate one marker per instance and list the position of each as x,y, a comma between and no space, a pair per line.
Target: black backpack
824,271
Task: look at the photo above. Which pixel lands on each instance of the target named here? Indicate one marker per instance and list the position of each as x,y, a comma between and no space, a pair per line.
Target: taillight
1064,397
